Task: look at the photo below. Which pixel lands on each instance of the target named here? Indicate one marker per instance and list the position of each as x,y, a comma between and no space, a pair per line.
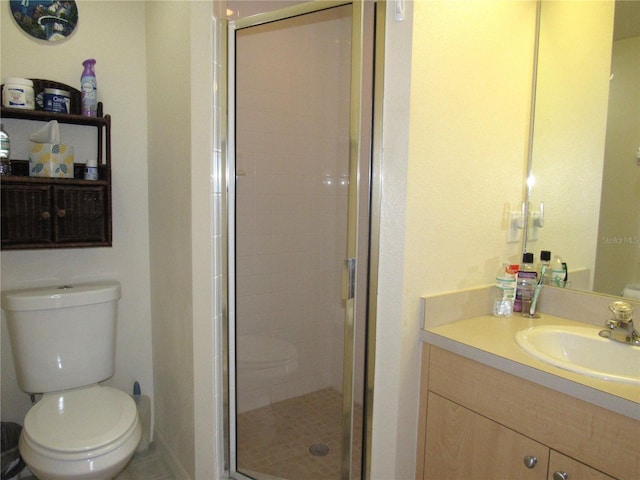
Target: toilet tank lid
43,298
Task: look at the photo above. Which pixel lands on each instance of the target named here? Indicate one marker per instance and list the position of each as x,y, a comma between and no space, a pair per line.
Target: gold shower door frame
371,180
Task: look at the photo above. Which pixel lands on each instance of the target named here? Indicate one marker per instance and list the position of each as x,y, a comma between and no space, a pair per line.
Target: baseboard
169,457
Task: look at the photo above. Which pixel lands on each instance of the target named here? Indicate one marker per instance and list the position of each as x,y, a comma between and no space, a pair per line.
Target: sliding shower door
299,143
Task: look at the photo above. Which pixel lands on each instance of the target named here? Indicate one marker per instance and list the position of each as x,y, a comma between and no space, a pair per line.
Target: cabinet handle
45,216
61,213
530,461
558,475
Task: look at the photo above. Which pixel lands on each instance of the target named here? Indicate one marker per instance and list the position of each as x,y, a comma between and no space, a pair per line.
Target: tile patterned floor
143,466
274,440
146,466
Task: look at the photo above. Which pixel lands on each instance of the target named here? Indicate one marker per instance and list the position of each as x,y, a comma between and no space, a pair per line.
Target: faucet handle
621,311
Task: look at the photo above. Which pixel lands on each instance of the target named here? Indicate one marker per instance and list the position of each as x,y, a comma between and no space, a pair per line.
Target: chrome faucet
620,327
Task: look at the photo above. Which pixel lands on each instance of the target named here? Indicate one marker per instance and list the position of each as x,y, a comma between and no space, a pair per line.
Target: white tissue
50,133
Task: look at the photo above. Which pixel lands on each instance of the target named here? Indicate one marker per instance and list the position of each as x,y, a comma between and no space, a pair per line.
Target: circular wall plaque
49,20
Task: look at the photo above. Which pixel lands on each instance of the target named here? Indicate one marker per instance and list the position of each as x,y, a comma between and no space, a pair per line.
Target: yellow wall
471,74
574,65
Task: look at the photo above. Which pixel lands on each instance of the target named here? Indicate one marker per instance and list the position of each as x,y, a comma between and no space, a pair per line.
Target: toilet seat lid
80,420
260,351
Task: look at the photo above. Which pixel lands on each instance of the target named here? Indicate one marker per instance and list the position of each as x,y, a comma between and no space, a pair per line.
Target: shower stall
299,179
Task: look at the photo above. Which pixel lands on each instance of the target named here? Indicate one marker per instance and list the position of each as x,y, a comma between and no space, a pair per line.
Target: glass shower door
300,243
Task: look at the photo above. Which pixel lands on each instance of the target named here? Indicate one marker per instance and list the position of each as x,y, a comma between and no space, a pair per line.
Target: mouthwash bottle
525,284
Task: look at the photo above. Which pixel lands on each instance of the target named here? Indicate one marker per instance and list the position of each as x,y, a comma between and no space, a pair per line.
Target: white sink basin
581,350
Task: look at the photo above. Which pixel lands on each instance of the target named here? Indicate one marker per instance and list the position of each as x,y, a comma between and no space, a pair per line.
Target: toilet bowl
632,290
270,356
263,363
87,433
63,345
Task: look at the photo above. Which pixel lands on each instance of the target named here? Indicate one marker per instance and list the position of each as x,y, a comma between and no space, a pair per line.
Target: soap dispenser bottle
525,284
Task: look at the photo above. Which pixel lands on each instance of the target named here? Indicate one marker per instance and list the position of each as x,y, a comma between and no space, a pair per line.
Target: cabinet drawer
561,464
461,444
25,214
592,435
55,216
80,214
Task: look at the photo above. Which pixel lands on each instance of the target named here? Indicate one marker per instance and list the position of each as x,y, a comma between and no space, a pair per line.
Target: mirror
583,191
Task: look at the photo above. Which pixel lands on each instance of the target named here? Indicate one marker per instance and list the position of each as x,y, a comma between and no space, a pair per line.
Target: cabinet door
461,444
562,467
25,214
80,213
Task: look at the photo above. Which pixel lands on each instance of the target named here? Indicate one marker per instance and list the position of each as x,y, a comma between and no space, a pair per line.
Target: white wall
169,102
115,37
185,191
292,151
207,186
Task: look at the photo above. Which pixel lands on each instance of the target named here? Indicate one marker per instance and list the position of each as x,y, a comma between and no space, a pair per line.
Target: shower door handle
349,279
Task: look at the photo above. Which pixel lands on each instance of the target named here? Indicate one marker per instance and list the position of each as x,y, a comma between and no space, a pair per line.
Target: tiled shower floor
275,440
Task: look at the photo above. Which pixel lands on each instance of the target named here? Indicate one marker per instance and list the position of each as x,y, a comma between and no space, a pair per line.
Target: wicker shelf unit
38,212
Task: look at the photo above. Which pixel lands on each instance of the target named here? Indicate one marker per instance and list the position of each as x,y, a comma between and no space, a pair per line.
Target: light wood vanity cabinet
461,444
561,464
477,422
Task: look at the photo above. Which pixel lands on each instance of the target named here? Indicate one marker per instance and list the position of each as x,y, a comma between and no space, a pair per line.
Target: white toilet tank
62,337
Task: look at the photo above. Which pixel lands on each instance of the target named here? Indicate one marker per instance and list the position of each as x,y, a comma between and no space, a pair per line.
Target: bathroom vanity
490,410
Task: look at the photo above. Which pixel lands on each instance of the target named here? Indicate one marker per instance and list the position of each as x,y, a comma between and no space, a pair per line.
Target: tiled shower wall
291,195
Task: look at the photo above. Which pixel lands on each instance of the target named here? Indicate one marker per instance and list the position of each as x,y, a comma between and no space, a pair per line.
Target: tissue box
50,160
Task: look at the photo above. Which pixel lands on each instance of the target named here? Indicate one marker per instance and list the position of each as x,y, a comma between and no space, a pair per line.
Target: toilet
632,290
63,342
263,363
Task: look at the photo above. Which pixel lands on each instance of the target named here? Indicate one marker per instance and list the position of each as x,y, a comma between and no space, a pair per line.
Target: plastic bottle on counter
89,89
545,264
5,152
505,290
525,284
558,272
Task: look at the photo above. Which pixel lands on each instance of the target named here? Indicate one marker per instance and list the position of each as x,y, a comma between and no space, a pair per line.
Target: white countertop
491,340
